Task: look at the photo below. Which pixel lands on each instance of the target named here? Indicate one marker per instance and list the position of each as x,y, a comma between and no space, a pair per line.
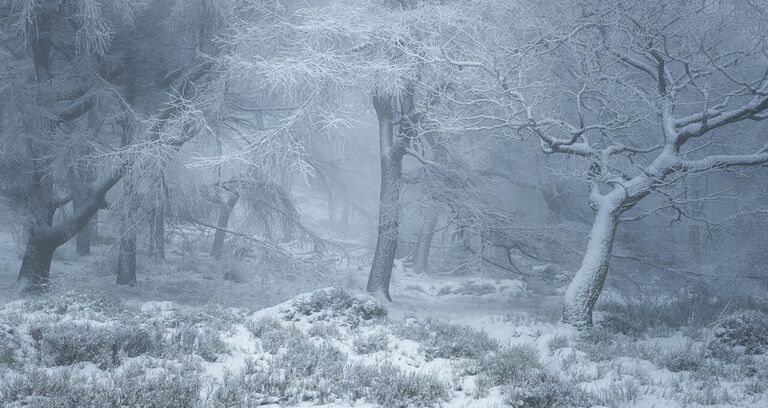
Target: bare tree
644,92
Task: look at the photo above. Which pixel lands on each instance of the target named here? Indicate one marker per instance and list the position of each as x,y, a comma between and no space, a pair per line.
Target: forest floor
186,337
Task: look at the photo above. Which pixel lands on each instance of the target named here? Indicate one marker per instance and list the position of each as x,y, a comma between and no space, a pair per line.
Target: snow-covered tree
647,93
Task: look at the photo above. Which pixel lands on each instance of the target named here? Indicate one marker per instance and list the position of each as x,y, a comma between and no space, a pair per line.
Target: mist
396,203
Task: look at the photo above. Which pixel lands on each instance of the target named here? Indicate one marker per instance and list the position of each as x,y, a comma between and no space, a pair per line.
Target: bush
388,386
333,303
106,345
300,371
540,390
9,343
746,330
171,386
69,343
370,343
557,342
204,342
324,330
136,386
688,358
511,365
660,318
471,287
446,340
261,327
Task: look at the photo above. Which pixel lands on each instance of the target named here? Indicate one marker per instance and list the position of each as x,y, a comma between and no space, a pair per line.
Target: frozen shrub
540,390
600,344
261,327
660,318
332,303
446,340
370,343
136,386
301,371
68,343
106,345
690,357
9,343
557,342
42,388
157,387
549,273
388,386
746,330
274,340
471,287
324,330
81,304
204,342
214,317
510,365
415,288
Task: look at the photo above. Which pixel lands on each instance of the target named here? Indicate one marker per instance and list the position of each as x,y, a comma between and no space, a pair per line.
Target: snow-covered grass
332,347
187,337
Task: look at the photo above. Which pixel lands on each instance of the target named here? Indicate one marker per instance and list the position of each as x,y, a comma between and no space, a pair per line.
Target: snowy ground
186,337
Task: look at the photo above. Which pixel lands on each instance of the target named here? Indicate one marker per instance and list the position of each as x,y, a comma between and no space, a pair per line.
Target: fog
399,203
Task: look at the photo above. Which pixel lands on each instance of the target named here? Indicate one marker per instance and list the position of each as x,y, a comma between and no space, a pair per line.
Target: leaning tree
648,94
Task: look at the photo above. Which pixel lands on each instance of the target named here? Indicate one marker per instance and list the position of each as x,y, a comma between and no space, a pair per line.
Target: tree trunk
582,293
217,249
126,261
95,238
45,236
36,266
421,255
83,239
386,244
391,151
157,234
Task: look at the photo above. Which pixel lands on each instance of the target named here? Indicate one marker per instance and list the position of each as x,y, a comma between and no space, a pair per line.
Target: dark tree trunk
45,236
391,150
83,240
217,249
85,236
157,234
36,266
94,226
126,261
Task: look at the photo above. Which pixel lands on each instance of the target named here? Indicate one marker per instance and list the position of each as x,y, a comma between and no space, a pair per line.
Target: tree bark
36,265
157,234
391,151
217,249
585,288
83,237
45,237
126,261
